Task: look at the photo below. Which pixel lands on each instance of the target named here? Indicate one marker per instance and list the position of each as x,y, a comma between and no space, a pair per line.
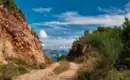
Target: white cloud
112,17
43,34
42,10
127,7
112,10
56,23
57,43
68,14
73,18
43,45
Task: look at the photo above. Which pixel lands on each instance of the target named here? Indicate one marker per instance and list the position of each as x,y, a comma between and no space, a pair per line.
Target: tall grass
16,67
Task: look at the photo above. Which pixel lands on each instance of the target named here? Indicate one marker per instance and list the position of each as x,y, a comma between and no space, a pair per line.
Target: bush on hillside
12,7
113,46
14,68
62,57
17,67
48,60
34,33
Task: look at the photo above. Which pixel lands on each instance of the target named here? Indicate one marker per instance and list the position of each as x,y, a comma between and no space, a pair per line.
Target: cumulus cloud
77,19
112,17
42,10
43,34
74,18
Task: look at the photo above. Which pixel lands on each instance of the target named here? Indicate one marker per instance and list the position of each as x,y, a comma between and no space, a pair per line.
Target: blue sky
59,22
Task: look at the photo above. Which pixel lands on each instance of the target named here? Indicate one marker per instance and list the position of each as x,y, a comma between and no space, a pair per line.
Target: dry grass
64,65
15,68
48,60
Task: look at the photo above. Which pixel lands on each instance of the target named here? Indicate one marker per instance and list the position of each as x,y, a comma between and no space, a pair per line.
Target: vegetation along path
49,74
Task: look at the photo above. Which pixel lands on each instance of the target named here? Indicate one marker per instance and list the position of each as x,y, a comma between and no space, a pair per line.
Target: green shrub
48,60
127,61
11,70
1,2
12,7
34,33
63,57
14,68
17,67
106,42
113,46
83,74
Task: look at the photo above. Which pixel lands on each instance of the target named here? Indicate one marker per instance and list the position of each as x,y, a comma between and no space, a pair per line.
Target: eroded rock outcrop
17,39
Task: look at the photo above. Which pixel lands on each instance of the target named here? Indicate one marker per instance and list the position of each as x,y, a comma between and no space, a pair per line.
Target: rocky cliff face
17,39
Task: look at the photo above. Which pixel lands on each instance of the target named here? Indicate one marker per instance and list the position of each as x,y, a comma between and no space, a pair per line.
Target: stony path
48,74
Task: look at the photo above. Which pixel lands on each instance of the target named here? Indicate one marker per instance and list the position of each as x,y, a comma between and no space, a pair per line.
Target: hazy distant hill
54,54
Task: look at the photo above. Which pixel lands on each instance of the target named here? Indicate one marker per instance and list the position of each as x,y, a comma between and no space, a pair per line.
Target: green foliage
111,50
1,2
123,59
95,40
126,34
83,75
125,78
106,40
15,68
101,28
62,57
86,33
48,60
113,46
127,61
34,33
12,7
11,70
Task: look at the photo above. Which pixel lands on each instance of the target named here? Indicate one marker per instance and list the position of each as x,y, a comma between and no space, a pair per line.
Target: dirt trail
48,74
71,73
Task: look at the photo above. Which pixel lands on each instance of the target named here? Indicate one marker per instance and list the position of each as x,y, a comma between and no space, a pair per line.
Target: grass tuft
64,65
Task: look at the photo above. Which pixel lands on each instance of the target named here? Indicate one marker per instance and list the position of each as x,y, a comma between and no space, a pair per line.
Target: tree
101,29
126,34
86,33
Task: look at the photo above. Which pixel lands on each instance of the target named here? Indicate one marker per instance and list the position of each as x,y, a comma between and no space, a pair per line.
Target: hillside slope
17,40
